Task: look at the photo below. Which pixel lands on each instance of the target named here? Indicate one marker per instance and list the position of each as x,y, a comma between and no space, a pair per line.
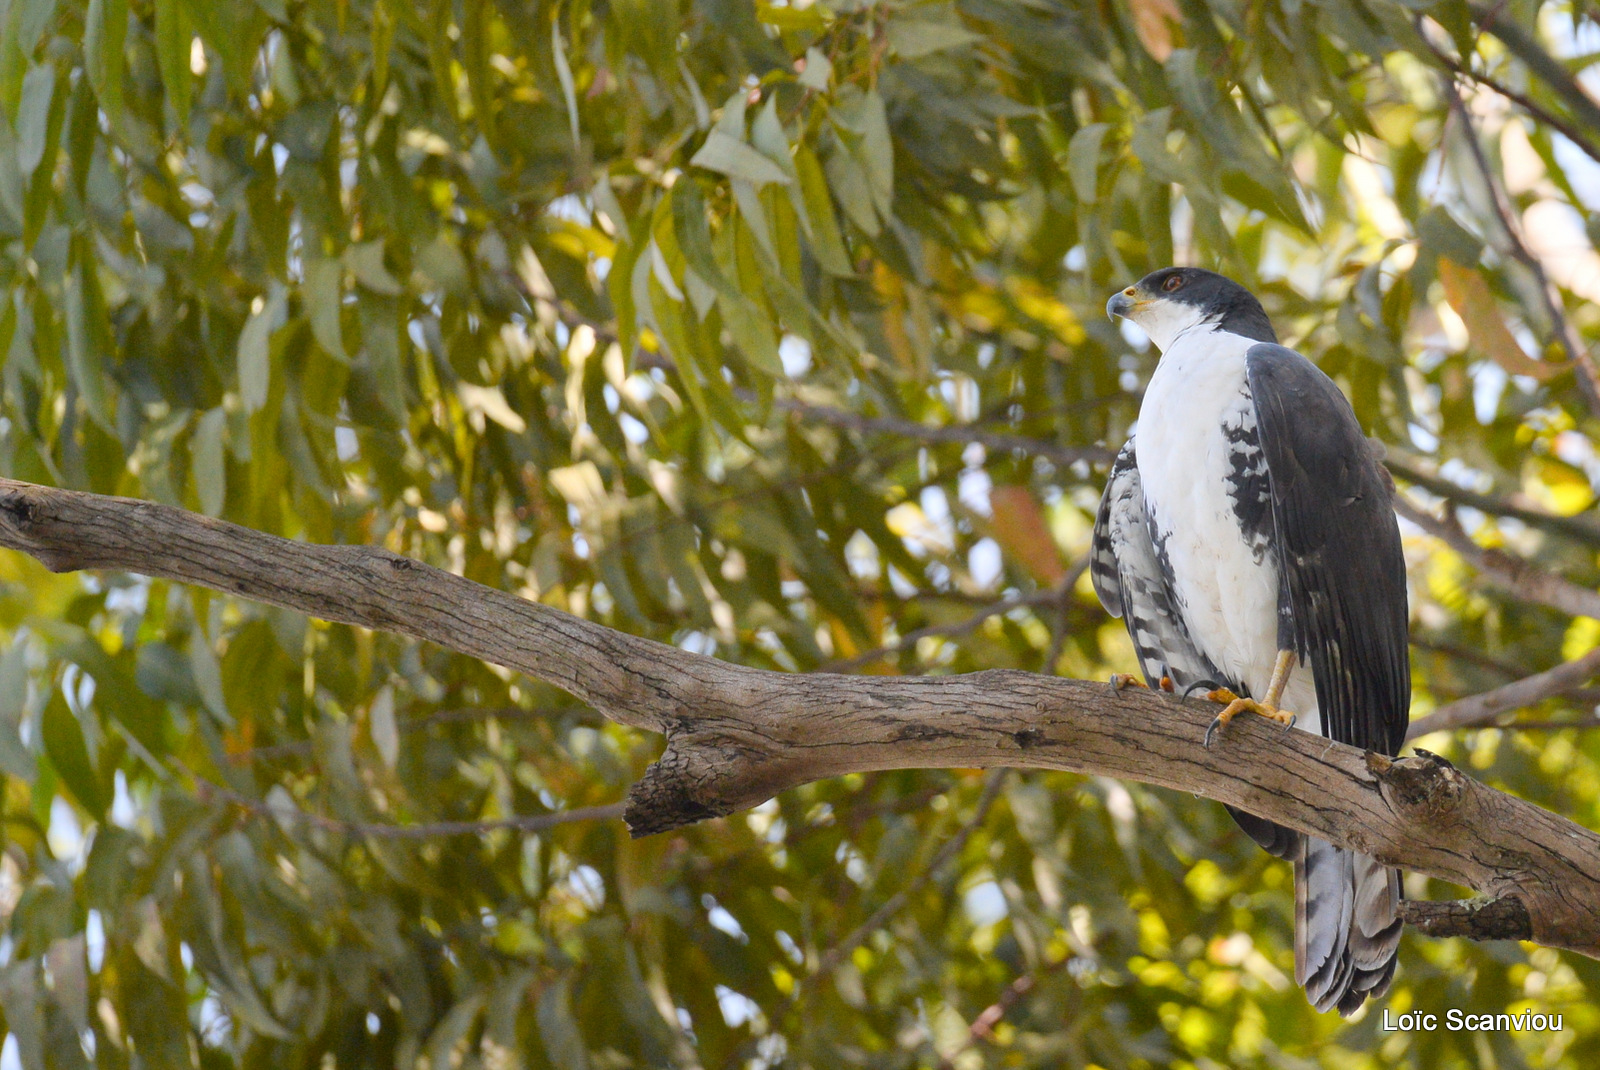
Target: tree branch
735,736
1477,710
525,823
1582,526
1055,595
1494,20
1572,132
1525,581
957,433
1476,919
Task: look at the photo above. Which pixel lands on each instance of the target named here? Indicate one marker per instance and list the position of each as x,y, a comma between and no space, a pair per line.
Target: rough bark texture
736,736
1476,919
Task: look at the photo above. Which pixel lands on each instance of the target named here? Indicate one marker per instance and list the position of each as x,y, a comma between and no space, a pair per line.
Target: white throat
1165,320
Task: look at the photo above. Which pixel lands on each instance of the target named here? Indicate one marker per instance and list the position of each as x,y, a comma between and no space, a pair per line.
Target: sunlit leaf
1469,295
1020,527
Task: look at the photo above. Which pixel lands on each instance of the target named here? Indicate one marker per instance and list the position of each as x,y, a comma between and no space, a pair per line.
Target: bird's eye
1173,282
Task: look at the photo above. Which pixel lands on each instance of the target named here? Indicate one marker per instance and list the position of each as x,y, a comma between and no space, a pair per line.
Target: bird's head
1168,302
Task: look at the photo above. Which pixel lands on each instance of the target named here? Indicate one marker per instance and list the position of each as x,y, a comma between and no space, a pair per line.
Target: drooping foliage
775,331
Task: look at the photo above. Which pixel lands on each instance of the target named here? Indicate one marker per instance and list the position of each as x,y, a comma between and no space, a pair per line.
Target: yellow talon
1120,680
1233,705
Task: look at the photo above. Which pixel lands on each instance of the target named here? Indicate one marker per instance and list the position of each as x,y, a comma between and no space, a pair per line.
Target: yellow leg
1268,705
1280,677
1120,680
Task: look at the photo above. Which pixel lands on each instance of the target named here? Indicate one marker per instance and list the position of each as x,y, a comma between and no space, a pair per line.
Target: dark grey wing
1343,609
1338,548
1128,575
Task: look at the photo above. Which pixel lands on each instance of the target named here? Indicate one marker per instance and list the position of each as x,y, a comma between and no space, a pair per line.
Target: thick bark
736,736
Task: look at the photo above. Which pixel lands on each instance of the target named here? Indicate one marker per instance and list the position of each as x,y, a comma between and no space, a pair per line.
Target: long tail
1346,926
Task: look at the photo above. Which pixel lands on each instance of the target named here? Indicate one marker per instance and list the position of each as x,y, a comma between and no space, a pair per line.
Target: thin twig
1547,726
1549,69
1058,632
982,1027
300,748
956,433
962,627
1582,526
1565,334
1469,655
208,789
1479,710
1566,129
1525,581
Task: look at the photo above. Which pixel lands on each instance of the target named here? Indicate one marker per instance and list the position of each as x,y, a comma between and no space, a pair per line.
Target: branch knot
1424,784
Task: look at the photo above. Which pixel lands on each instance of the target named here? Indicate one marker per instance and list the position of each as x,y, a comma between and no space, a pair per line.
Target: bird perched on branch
1249,543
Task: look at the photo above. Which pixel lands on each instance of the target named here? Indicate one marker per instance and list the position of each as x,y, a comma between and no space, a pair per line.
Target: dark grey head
1170,301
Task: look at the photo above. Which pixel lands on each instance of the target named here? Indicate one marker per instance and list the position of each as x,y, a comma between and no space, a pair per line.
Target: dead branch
735,736
1477,710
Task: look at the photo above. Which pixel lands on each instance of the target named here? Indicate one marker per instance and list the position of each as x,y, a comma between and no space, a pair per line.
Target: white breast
1228,594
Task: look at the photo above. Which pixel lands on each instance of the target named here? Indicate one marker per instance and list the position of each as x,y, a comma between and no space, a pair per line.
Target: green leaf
1083,160
381,724
558,51
105,35
766,134
174,40
558,1028
727,156
817,216
33,19
207,676
19,997
14,757
210,473
818,72
443,266
912,38
69,753
163,673
877,151
33,117
365,262
12,209
1440,233
255,349
753,215
693,234
88,339
321,288
848,182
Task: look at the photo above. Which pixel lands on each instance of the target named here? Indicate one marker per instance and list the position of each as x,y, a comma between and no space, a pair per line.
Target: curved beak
1121,303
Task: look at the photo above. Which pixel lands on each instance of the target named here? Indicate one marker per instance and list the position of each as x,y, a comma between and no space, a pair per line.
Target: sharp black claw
1216,723
1292,720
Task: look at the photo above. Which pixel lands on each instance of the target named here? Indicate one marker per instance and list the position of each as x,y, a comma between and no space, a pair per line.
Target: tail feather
1347,928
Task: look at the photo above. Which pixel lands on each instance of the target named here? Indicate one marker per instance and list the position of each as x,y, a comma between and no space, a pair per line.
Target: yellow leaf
1021,530
1469,295
1152,21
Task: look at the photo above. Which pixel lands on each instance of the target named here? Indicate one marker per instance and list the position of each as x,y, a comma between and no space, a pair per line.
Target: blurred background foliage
774,331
